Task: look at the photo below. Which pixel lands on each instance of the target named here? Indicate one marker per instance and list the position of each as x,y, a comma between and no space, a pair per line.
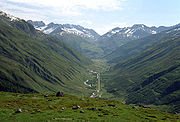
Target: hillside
151,77
35,62
36,107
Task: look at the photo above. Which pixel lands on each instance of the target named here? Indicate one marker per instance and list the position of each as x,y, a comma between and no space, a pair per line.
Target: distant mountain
135,47
119,36
150,74
37,24
61,29
135,32
32,61
80,38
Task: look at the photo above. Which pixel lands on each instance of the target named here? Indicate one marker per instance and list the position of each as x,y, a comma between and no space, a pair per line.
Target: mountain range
90,43
116,37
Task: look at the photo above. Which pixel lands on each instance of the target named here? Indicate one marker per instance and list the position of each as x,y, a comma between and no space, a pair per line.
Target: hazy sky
100,15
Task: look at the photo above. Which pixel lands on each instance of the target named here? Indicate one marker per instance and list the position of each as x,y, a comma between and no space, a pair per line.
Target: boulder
82,111
82,99
18,110
76,107
60,94
135,107
112,105
46,96
94,109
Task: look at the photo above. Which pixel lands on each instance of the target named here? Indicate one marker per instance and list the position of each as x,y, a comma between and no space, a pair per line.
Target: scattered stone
111,105
94,109
82,111
135,107
46,96
82,99
100,115
62,108
100,109
56,118
106,111
62,119
66,118
76,107
38,110
18,110
123,102
144,106
60,94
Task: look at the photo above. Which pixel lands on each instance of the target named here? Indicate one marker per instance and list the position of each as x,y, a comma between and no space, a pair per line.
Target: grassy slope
151,77
37,108
109,44
34,62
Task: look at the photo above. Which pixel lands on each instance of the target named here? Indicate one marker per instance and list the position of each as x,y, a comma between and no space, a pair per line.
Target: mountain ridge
61,29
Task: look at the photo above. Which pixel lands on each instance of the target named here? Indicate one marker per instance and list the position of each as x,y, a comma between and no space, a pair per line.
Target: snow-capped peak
136,31
12,18
62,29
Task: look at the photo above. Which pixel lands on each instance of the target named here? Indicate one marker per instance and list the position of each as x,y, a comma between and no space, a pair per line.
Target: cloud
61,11
58,8
68,7
76,4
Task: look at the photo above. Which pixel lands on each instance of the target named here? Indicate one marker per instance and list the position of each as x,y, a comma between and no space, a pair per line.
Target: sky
100,15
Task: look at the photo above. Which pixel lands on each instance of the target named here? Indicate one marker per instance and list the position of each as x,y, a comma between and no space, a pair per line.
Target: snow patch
127,30
153,32
40,28
115,31
48,31
177,29
76,32
12,18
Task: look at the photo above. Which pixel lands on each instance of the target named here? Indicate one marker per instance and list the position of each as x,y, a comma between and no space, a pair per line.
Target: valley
128,74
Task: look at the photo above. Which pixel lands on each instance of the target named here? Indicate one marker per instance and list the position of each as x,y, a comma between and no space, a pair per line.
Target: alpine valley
59,72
